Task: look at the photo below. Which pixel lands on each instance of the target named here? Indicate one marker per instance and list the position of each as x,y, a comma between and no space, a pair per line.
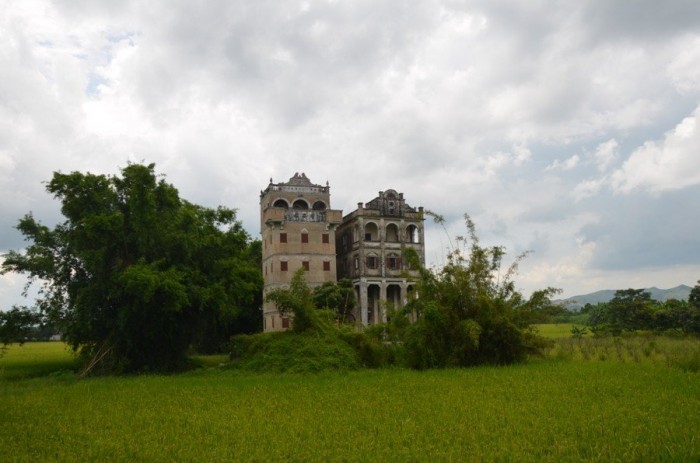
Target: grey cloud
641,20
644,231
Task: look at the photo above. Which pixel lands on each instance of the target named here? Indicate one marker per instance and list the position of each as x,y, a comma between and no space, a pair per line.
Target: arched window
281,203
371,232
319,206
392,232
412,235
300,204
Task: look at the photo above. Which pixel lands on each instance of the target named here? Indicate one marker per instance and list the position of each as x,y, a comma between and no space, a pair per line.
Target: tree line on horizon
634,309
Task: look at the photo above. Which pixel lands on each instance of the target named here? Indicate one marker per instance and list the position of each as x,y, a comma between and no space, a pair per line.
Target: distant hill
576,302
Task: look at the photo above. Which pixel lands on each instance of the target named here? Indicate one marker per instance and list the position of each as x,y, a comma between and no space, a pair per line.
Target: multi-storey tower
298,231
370,243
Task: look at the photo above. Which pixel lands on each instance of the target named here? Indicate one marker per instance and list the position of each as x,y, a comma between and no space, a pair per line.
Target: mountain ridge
574,303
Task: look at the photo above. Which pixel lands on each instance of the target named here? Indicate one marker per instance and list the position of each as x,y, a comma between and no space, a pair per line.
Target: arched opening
300,204
393,295
373,309
281,203
319,206
392,232
371,232
412,235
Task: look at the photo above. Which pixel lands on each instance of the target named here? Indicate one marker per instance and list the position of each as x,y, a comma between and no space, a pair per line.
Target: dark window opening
304,237
300,204
325,238
283,266
393,262
283,237
372,262
326,266
305,264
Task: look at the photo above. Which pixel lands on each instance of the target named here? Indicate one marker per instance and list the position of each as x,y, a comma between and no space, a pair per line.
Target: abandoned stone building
300,230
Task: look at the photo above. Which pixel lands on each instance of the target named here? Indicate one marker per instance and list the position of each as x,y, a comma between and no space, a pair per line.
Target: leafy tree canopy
337,297
469,312
135,274
694,297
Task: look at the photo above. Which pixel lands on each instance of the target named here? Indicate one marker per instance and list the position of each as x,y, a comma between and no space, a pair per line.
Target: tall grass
683,353
546,410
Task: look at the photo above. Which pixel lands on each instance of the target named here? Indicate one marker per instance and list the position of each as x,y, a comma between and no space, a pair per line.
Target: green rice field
556,330
561,408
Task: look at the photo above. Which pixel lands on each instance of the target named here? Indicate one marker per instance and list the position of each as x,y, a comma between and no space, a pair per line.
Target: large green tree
694,296
631,309
135,274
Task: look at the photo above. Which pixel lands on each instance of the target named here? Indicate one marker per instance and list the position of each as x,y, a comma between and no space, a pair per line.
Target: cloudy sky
571,129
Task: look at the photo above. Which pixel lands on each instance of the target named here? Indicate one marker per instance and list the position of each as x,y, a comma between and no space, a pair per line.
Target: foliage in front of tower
318,340
135,276
469,312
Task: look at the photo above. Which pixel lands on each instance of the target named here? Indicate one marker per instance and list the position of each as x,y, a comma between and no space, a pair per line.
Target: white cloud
587,188
670,164
567,164
605,154
684,70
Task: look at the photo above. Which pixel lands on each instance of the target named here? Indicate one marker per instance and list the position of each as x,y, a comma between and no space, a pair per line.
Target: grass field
556,330
545,410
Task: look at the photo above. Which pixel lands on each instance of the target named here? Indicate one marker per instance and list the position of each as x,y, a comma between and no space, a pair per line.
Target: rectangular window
368,237
304,237
325,238
371,261
305,264
285,322
393,262
326,266
283,237
283,266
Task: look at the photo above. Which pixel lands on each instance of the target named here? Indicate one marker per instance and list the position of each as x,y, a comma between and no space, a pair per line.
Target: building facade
298,231
370,244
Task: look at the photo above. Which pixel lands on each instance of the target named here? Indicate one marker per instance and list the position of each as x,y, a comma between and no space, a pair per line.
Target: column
381,317
363,302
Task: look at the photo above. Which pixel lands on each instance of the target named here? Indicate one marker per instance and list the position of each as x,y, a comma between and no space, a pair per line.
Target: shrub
292,352
469,312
